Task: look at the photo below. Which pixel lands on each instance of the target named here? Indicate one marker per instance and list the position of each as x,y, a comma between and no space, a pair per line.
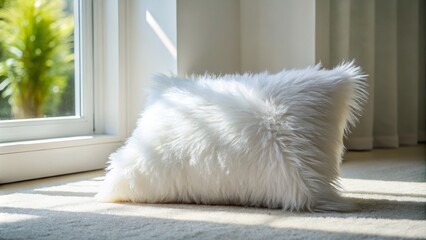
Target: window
46,69
70,144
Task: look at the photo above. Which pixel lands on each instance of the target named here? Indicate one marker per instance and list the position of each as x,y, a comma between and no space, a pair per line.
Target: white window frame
55,156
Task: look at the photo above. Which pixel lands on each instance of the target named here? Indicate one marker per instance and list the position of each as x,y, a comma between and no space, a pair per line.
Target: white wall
151,48
208,36
277,34
226,36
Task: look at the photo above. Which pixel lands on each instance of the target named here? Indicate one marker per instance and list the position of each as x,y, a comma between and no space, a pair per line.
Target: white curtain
387,38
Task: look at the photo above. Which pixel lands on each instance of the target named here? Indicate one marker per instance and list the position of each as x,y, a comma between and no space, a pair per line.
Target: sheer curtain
387,38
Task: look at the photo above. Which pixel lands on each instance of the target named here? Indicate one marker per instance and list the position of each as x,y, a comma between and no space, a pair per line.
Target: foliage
4,105
37,43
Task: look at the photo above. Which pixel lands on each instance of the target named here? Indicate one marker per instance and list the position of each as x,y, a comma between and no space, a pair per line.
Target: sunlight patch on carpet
14,217
385,190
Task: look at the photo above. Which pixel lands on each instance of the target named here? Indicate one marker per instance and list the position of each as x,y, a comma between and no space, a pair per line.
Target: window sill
51,157
55,143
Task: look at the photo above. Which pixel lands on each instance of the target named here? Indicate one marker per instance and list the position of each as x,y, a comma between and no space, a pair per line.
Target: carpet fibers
388,185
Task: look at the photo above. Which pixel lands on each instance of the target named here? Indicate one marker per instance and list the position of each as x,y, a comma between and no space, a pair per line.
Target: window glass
38,74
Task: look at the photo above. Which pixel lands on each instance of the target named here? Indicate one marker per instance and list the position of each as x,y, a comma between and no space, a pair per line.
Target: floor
388,185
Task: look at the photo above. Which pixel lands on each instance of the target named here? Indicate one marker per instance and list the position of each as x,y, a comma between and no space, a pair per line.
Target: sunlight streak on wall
161,34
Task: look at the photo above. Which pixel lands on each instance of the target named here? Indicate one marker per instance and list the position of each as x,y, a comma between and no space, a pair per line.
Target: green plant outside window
36,59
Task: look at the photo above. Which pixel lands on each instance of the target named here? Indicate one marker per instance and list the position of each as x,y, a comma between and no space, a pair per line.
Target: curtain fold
387,38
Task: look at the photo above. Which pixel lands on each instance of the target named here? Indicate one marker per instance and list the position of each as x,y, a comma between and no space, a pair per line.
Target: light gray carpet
388,185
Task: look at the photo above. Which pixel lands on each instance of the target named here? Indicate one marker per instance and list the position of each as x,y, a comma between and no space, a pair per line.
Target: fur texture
261,140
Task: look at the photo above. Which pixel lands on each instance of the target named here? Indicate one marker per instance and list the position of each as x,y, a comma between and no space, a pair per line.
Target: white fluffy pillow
255,140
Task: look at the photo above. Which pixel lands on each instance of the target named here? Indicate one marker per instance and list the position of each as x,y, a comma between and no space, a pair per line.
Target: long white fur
262,140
